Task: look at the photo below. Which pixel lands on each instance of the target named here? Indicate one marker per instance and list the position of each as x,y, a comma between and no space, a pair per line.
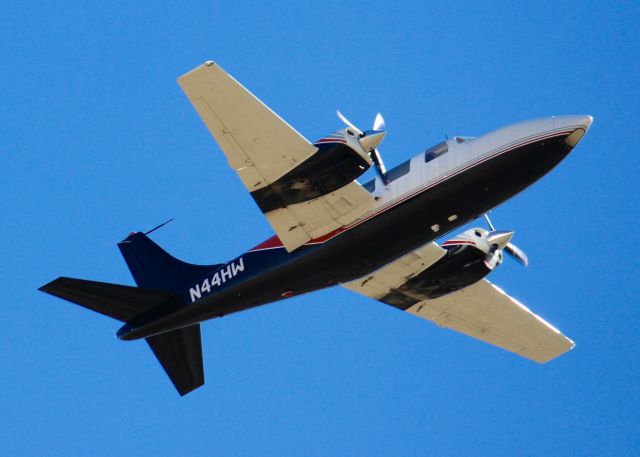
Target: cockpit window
398,171
435,151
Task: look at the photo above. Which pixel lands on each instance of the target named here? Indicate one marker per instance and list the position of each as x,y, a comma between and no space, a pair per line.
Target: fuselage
426,197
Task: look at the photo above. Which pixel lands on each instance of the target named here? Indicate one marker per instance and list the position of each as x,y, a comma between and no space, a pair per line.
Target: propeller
369,140
348,123
378,123
501,240
517,253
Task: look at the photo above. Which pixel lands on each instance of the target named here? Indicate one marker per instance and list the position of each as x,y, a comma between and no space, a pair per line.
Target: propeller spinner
369,140
501,240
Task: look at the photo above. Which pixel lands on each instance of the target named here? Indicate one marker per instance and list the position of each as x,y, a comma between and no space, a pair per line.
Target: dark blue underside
270,274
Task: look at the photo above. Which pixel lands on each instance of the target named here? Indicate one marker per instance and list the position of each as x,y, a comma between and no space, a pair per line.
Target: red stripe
327,237
331,140
274,242
457,242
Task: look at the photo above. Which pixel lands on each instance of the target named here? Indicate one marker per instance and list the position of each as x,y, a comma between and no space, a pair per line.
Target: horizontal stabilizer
114,300
180,354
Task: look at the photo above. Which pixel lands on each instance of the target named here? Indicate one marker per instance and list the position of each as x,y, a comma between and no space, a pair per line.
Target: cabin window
435,151
398,171
370,186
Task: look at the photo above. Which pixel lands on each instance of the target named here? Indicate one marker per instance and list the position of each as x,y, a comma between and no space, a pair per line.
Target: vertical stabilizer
153,268
178,351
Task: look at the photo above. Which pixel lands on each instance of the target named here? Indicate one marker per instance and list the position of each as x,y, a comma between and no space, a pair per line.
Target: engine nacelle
338,161
468,259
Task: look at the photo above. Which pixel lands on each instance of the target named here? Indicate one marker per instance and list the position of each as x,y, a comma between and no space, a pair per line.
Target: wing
482,311
261,148
487,313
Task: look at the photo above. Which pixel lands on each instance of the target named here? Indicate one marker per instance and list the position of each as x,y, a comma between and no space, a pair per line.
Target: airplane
376,239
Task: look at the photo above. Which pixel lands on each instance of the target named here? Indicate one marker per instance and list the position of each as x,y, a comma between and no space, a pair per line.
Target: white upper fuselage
461,153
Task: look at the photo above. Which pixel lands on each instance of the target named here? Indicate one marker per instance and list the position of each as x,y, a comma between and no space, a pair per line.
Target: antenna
159,226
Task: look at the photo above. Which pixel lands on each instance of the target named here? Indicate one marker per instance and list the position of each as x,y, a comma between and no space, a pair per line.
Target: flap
395,274
297,224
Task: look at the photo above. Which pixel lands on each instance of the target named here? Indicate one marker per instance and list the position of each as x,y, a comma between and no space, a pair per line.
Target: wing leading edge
481,310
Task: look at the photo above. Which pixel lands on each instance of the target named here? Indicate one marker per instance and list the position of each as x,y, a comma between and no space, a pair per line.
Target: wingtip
190,389
184,79
46,288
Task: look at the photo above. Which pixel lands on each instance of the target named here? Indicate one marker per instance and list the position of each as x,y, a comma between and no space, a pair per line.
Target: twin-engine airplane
326,224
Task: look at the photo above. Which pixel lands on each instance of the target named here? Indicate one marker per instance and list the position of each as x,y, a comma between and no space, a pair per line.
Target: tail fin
161,279
178,351
152,267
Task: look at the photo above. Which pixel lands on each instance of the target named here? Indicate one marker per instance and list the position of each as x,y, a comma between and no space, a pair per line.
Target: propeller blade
378,123
348,123
517,253
486,216
492,259
379,164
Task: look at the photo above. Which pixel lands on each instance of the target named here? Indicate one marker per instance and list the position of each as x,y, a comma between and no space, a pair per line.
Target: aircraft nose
582,124
582,121
585,121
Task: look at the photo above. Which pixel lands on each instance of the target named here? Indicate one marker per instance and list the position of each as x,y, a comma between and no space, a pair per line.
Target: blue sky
98,140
